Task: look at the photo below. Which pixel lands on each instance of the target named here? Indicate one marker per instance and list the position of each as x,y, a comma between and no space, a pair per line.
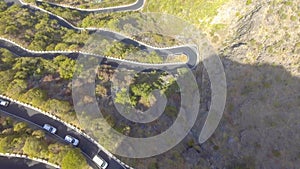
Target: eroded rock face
260,50
260,126
267,32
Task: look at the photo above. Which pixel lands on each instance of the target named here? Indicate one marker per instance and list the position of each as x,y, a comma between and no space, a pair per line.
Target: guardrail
29,158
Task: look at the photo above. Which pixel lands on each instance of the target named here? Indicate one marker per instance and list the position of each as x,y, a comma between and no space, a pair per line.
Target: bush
20,127
33,147
73,159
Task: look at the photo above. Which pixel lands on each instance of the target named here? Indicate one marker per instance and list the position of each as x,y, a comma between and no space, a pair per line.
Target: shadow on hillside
259,127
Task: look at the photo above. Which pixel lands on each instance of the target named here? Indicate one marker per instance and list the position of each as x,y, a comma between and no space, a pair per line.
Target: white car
100,162
4,103
49,128
72,140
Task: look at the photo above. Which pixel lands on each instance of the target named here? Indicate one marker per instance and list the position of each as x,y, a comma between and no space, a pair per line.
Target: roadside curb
77,129
96,9
86,53
112,31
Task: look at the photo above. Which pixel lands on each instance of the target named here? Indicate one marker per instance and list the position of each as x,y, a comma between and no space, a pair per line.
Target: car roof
2,100
68,137
48,126
98,160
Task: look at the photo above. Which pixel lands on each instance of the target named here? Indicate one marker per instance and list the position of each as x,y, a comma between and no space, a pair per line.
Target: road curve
18,50
139,4
39,119
89,148
16,162
191,51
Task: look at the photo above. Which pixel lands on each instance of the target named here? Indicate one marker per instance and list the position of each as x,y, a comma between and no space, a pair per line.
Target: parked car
100,162
72,140
4,103
49,128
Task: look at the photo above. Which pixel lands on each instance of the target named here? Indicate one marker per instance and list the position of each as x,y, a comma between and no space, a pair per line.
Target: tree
123,98
57,106
34,96
7,56
4,144
3,6
101,90
66,66
61,46
5,78
11,30
38,134
20,127
33,147
16,87
74,159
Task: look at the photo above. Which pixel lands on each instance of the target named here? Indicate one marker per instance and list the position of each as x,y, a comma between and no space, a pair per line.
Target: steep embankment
258,43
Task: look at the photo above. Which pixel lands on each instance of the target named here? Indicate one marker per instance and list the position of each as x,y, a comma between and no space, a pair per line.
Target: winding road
16,163
88,147
35,117
131,7
190,51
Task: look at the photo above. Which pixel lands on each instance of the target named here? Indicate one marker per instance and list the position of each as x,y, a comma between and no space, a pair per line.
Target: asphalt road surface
86,146
20,163
139,4
190,51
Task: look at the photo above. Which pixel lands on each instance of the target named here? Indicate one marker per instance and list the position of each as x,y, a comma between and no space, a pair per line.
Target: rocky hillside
267,32
259,45
260,50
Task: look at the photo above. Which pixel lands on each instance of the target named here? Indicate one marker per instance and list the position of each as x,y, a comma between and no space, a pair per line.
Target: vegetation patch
94,4
20,138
